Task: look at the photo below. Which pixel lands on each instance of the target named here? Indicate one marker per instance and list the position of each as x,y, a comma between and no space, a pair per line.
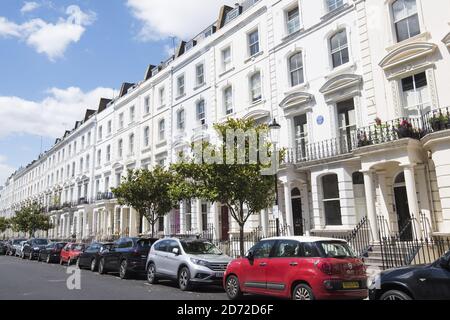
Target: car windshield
60,245
40,242
200,247
336,249
78,247
144,243
17,241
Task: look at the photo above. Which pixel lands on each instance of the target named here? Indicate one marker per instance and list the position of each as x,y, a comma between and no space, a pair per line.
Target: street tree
148,192
4,224
30,219
240,186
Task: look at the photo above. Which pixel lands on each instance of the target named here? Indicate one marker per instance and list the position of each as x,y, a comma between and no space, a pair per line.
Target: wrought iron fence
409,245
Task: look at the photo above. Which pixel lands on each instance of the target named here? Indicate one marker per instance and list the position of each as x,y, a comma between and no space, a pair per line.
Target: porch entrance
402,208
297,212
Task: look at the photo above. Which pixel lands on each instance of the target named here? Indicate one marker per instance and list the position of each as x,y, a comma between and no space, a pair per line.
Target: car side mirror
176,251
250,256
444,263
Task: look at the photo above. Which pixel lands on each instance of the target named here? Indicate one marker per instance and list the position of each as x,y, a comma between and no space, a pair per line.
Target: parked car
190,262
128,256
298,268
13,245
418,282
52,252
90,257
18,248
33,247
3,248
70,253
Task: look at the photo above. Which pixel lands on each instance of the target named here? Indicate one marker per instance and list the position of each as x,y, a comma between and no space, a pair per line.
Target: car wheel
93,265
101,266
151,274
48,259
395,295
184,277
302,292
233,288
123,270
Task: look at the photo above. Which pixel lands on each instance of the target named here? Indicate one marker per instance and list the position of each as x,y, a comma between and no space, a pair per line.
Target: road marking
56,280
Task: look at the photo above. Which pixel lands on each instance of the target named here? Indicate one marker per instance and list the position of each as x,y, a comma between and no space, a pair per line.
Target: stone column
182,217
288,207
383,194
370,201
413,203
265,222
305,210
214,210
425,207
133,224
122,222
199,220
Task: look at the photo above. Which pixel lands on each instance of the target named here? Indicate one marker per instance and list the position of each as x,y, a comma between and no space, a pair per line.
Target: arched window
339,48
400,178
296,69
331,200
406,19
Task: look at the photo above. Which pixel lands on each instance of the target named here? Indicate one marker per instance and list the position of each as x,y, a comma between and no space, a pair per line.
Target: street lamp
274,132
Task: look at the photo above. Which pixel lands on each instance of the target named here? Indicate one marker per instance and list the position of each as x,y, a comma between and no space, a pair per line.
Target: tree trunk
241,240
153,228
140,223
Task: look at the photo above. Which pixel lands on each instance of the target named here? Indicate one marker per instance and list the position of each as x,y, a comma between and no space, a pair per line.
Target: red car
70,253
299,268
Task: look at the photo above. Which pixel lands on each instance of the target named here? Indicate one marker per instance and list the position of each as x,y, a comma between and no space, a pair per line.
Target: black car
51,252
3,248
90,257
127,256
33,247
419,282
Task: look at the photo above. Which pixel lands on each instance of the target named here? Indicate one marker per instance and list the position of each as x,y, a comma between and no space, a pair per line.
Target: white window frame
228,103
227,61
121,120
335,5
181,119
120,148
147,105
181,88
256,43
147,136
162,130
394,21
297,26
162,96
132,114
200,116
200,77
131,144
254,90
292,71
339,49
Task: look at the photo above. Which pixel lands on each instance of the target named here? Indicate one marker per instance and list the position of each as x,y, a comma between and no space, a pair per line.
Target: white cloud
51,39
51,116
182,19
5,169
29,6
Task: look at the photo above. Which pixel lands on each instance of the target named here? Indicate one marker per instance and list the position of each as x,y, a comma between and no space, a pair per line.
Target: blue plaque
320,120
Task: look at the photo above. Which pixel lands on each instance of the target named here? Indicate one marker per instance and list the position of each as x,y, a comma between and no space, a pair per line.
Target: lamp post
275,128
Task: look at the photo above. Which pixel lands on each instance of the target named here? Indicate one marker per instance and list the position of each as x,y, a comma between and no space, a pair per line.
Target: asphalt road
32,280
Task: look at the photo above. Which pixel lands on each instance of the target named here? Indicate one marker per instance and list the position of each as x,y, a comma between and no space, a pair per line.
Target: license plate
350,285
219,274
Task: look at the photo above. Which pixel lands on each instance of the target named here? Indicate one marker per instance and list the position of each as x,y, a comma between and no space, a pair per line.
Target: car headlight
36,248
199,262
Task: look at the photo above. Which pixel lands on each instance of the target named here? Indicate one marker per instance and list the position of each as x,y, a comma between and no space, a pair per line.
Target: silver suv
189,261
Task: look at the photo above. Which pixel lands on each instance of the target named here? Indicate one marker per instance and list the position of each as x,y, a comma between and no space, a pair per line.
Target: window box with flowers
406,130
440,122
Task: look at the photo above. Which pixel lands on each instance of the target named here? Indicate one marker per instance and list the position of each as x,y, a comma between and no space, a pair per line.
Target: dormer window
406,19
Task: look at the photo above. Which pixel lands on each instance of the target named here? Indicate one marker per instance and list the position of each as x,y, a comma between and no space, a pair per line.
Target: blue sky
58,57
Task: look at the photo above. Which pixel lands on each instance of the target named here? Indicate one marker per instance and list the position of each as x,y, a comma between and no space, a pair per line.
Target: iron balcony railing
105,196
378,133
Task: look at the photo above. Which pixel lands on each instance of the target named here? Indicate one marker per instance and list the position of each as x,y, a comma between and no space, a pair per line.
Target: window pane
333,213
421,80
414,27
330,187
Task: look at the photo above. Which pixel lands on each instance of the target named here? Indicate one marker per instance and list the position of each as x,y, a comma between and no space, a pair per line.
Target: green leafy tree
242,188
30,219
4,224
148,192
